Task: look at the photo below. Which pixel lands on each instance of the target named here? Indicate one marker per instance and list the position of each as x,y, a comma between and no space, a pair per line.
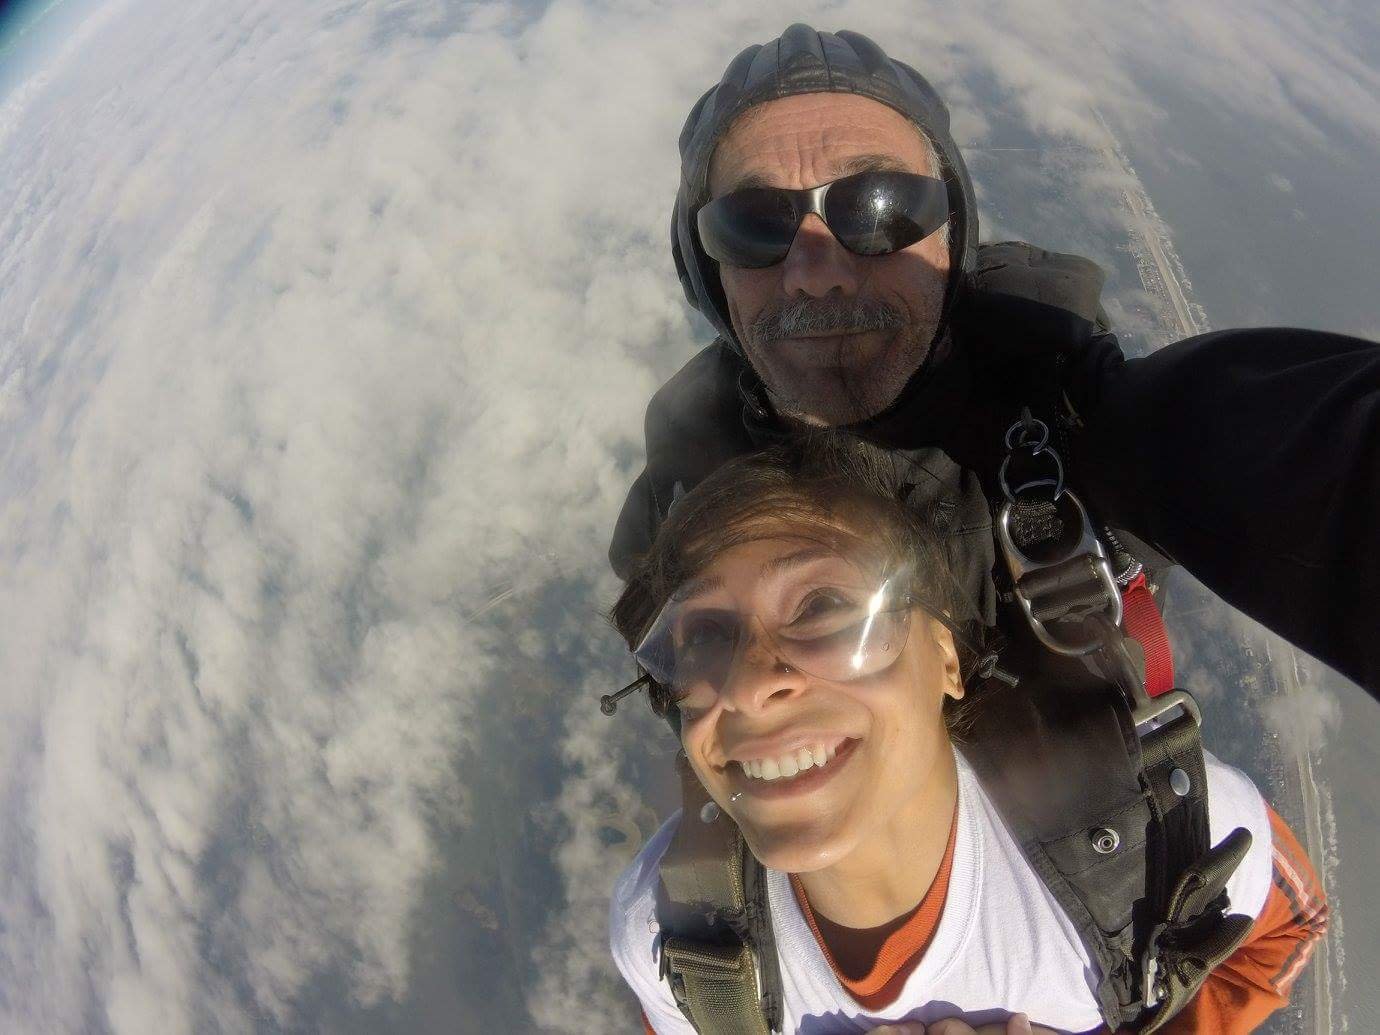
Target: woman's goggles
870,213
839,626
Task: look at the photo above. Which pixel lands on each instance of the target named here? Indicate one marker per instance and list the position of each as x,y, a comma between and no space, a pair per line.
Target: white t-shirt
1002,944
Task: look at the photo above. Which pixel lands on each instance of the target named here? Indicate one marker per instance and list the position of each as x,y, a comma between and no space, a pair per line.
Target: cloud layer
325,334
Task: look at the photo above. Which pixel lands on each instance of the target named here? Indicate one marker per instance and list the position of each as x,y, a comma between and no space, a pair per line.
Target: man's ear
948,658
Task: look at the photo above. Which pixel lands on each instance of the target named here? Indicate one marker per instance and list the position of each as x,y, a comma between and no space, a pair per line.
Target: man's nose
760,675
817,264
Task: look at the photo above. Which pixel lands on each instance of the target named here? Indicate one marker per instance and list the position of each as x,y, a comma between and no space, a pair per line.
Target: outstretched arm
1252,457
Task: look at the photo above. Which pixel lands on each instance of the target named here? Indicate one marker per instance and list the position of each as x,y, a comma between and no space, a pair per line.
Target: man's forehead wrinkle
805,138
878,162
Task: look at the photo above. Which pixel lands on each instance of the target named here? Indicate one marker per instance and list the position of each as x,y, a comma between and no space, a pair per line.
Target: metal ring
1022,426
1057,483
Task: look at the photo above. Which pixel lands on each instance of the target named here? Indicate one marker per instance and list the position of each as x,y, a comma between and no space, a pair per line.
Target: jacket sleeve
1252,457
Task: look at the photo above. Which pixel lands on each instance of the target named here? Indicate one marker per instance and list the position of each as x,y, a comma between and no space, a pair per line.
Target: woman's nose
760,673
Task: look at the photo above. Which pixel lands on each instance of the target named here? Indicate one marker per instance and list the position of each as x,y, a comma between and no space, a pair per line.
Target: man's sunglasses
871,213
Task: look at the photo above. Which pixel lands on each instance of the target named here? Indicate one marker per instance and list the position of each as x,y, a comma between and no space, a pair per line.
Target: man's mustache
818,317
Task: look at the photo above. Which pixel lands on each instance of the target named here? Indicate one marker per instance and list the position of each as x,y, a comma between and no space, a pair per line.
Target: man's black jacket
1252,457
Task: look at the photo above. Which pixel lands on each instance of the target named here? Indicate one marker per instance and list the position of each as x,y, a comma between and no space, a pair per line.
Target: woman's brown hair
825,485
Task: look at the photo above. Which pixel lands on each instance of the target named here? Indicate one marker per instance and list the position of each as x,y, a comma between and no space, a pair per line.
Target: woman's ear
948,658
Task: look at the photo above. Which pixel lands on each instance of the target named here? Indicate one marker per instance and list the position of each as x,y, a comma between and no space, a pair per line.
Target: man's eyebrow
848,167
871,163
750,181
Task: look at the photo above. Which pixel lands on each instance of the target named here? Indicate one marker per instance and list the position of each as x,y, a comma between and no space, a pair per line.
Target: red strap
1140,618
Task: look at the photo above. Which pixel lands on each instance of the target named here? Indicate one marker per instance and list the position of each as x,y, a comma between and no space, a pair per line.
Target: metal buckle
1081,564
1144,707
1126,674
1055,587
1150,968
1032,435
1149,971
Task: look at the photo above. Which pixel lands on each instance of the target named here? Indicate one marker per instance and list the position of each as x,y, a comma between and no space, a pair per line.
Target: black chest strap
1141,803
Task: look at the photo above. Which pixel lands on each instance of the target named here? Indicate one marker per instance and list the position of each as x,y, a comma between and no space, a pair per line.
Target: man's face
881,735
796,320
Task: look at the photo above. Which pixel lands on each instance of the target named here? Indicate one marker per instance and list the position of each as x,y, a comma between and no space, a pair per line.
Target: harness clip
1062,582
1125,672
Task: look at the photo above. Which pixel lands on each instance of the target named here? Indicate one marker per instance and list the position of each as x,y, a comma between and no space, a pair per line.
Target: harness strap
1172,757
1189,931
1155,956
709,960
1140,617
714,985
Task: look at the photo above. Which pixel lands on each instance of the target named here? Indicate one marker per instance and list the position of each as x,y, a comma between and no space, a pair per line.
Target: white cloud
321,326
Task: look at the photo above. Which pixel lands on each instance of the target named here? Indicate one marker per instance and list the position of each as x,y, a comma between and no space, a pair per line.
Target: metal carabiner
1082,564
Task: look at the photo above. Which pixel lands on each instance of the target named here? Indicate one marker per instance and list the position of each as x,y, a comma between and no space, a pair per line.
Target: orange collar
900,951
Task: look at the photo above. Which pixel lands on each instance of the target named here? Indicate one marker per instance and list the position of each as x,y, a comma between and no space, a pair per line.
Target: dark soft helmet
805,61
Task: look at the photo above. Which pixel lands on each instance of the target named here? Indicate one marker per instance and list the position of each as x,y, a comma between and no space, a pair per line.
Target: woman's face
880,736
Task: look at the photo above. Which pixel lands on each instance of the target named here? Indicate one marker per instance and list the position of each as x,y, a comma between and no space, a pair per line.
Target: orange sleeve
1255,980
646,1024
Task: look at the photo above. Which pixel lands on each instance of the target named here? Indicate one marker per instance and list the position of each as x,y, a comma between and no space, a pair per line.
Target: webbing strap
706,956
1186,877
702,867
716,985
1180,803
1140,618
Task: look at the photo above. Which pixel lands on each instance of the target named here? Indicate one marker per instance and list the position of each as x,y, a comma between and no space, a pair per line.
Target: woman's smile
772,779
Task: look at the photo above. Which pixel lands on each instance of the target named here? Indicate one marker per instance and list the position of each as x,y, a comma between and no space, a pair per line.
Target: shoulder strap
717,951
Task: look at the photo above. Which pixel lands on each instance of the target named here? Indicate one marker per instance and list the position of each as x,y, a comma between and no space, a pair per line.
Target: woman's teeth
786,766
